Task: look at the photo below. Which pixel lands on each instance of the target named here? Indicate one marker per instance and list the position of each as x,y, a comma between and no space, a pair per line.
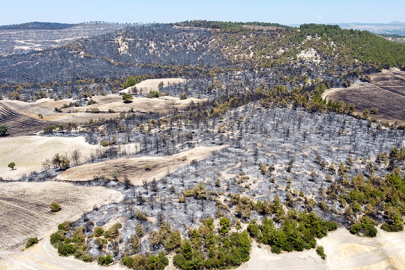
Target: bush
95,110
55,207
112,232
321,252
179,261
57,238
98,231
66,250
154,94
253,230
157,262
31,242
127,98
183,96
101,260
224,222
394,225
3,130
365,228
65,226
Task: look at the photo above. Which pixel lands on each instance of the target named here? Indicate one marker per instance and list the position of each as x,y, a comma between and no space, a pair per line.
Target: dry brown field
25,212
385,92
137,168
19,124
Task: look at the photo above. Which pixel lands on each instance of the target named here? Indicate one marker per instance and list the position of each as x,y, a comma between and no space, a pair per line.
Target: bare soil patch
343,251
28,152
24,208
385,92
137,168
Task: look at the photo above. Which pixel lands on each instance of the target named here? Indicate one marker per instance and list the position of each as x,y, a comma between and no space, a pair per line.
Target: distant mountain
37,25
392,28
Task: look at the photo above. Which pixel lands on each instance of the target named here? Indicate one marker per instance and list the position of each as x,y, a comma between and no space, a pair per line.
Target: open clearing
25,209
137,168
138,104
28,152
343,251
46,107
385,92
150,85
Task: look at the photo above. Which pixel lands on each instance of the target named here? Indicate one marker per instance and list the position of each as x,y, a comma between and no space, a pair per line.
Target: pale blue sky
281,11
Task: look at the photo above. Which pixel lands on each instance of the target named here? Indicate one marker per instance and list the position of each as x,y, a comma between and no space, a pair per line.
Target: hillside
201,145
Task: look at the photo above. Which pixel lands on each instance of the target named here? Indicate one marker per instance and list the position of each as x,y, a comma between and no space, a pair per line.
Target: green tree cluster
297,233
208,250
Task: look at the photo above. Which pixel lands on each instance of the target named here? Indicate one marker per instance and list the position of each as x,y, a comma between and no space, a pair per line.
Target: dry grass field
19,124
25,209
152,85
385,92
28,152
137,168
46,107
27,120
138,104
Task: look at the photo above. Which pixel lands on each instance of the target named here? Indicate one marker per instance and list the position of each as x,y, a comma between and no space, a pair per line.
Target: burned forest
199,145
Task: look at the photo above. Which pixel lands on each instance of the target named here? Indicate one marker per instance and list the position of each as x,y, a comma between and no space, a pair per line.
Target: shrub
55,207
157,262
179,261
320,251
394,225
95,110
66,250
112,232
101,260
3,130
127,98
224,222
183,96
31,242
154,94
57,238
65,226
253,230
365,228
98,231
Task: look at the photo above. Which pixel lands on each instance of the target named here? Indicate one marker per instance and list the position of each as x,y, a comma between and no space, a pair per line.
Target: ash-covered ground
297,148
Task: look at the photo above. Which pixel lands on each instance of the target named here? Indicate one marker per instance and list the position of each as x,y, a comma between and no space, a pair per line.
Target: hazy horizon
125,11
